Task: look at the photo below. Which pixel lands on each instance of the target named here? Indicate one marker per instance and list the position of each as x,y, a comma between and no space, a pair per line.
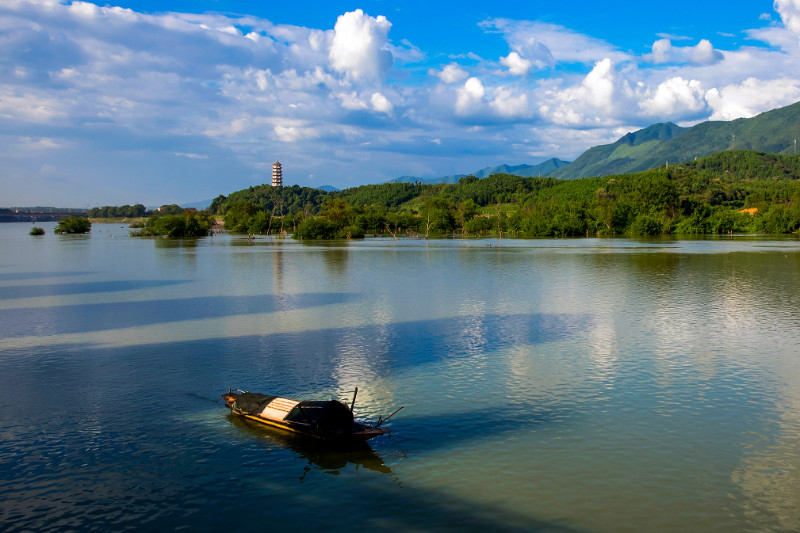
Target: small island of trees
73,225
189,223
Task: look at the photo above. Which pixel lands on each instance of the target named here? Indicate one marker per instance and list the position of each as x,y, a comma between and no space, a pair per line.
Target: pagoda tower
277,174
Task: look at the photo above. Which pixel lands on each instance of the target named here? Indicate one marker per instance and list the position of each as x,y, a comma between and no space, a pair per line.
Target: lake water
596,385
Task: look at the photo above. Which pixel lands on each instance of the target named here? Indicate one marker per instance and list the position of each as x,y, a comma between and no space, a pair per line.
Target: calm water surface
554,385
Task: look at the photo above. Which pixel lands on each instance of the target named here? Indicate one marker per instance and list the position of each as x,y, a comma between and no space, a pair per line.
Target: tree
315,228
478,225
372,219
171,209
337,211
466,210
437,212
238,217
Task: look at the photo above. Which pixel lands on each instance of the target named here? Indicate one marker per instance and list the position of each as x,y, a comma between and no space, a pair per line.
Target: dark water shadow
420,433
331,458
17,276
97,317
89,287
420,509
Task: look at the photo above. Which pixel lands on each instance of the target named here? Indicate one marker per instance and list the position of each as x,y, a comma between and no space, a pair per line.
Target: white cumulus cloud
598,87
547,45
594,101
662,49
674,97
510,103
381,104
352,101
358,46
293,131
450,73
703,53
751,97
789,10
517,65
470,96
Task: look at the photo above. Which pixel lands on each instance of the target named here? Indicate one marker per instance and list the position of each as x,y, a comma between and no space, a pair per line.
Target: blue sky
179,101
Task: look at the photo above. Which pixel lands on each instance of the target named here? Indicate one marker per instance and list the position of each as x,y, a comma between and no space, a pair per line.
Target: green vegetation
74,225
36,231
190,223
729,192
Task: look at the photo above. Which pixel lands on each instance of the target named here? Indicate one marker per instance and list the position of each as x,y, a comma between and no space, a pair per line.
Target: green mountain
774,132
527,171
542,169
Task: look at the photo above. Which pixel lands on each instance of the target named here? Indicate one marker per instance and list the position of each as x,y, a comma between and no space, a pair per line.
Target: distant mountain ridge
771,132
542,169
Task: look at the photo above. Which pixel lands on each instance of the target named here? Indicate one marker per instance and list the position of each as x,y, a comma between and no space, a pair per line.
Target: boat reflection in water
332,458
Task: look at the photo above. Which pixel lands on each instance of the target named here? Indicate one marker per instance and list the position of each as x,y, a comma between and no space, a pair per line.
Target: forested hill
774,131
731,191
283,200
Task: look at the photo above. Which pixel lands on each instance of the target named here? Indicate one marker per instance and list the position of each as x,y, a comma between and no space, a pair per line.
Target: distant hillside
542,169
328,188
202,204
545,168
615,158
772,132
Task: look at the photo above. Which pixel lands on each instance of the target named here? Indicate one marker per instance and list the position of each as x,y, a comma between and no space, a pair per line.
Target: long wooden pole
387,418
353,404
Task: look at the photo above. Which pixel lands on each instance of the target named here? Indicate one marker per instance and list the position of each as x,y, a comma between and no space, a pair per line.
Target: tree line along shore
734,191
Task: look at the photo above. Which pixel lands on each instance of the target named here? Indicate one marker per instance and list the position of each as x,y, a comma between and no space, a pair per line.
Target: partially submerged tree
73,225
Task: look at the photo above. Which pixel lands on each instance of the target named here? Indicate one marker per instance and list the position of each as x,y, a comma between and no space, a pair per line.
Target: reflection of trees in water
277,269
331,458
186,249
171,244
336,259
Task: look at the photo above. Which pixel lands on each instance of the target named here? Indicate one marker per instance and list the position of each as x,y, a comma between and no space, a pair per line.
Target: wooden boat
329,420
